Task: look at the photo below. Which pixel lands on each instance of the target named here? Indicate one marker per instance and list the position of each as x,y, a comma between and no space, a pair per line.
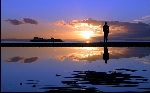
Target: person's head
105,23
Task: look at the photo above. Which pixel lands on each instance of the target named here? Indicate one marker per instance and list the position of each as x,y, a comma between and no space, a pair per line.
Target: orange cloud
97,54
60,23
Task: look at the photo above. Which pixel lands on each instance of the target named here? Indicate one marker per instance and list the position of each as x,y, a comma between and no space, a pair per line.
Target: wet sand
96,44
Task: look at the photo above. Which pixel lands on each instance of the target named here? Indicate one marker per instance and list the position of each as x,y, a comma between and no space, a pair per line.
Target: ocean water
89,69
69,41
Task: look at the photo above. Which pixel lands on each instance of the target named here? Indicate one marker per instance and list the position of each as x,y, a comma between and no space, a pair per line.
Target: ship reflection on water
77,69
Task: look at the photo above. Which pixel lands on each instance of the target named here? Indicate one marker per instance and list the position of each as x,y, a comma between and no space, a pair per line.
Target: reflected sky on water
91,69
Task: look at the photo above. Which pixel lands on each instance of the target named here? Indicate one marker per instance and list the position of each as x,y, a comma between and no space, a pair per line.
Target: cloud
13,21
60,23
81,25
14,59
80,57
91,24
18,58
30,21
118,30
97,54
30,60
145,61
78,22
25,20
145,19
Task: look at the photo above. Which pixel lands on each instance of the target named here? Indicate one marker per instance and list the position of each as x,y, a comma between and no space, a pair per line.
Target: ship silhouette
38,39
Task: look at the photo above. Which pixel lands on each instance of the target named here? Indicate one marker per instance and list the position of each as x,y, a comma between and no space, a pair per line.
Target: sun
87,34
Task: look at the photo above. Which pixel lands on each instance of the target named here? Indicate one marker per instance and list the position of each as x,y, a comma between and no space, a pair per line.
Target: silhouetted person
106,31
105,54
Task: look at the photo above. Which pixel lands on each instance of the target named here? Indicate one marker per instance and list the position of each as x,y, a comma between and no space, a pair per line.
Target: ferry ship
38,39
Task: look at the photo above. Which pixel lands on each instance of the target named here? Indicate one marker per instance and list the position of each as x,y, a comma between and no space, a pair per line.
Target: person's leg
106,37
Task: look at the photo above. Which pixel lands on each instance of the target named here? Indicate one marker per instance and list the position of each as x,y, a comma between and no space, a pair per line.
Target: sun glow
87,34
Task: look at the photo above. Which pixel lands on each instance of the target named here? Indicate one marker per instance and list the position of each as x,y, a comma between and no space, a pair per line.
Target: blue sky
50,11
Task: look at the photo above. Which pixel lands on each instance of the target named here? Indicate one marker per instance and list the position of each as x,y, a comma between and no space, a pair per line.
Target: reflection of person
106,31
106,54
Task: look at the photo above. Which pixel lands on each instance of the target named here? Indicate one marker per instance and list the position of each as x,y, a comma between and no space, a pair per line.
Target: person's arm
103,28
108,29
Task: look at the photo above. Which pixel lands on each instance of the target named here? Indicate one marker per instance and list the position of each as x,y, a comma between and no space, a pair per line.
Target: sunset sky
75,19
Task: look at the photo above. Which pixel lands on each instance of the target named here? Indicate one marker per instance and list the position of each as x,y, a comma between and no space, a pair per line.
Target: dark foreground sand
96,44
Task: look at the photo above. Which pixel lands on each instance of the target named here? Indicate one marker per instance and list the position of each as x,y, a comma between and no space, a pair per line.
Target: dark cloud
126,30
30,60
14,59
14,21
25,20
131,52
25,60
30,21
